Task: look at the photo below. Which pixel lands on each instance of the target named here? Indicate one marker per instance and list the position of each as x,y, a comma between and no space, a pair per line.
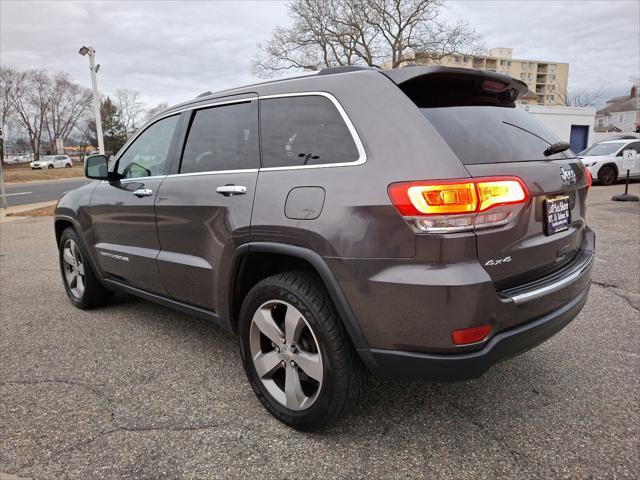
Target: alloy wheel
73,268
286,354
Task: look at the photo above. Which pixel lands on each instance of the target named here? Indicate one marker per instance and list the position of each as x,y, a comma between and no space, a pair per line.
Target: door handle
230,190
143,192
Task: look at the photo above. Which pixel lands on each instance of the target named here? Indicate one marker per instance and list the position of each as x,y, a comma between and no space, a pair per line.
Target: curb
22,208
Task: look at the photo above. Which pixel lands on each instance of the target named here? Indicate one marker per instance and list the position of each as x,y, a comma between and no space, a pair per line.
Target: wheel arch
257,260
61,223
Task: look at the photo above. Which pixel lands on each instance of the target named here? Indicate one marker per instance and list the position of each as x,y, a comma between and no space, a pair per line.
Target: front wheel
83,288
296,352
49,166
607,175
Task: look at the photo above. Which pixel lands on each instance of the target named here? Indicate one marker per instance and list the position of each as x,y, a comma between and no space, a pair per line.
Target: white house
621,114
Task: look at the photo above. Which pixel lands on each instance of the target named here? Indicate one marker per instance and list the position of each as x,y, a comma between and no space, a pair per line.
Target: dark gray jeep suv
411,223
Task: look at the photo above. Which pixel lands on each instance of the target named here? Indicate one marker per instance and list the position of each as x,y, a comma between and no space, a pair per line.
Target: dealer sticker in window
557,215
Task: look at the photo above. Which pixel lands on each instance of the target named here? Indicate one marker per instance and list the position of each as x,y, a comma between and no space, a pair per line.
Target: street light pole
96,99
3,193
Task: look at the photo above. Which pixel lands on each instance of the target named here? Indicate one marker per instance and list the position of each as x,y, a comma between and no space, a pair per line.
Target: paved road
34,192
135,390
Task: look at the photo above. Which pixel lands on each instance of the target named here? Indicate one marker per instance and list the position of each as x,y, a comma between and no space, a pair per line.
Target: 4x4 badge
568,176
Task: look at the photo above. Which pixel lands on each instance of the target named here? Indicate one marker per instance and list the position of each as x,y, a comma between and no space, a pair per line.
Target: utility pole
3,194
96,99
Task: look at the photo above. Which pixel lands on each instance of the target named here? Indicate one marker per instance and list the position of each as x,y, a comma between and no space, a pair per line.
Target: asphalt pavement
135,390
35,192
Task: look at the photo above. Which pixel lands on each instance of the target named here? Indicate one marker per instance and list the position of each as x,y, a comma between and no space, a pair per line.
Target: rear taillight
589,178
443,206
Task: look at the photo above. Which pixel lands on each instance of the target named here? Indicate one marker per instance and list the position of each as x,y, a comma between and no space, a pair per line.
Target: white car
52,161
604,160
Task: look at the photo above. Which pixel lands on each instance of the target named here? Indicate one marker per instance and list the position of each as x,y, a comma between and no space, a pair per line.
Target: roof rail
204,94
344,69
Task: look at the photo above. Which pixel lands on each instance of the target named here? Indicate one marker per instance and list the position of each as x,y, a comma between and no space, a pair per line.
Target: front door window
148,155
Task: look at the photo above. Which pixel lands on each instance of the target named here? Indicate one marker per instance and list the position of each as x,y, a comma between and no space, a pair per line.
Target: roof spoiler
431,87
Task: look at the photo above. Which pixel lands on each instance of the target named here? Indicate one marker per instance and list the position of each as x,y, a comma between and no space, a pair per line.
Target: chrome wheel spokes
73,265
286,354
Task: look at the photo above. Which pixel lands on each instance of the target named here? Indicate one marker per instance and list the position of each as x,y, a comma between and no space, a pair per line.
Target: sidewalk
21,208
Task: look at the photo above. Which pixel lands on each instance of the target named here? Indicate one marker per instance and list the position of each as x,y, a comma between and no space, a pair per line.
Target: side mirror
96,167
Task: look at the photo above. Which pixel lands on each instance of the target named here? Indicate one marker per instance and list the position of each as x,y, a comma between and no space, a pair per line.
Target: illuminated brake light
500,192
454,205
436,199
471,335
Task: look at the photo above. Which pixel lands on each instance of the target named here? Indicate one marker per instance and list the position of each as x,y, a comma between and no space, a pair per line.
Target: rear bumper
399,365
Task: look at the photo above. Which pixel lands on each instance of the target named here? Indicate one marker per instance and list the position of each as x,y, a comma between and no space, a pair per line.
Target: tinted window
148,154
479,134
304,131
222,138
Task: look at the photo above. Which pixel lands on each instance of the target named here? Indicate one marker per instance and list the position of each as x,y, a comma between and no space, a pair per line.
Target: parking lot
136,390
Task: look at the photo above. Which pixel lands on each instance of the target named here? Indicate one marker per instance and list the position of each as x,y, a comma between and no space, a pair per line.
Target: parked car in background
604,160
52,161
410,222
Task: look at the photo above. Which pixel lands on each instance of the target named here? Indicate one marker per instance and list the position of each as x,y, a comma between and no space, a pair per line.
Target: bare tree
328,33
31,99
580,97
131,109
153,111
69,103
7,85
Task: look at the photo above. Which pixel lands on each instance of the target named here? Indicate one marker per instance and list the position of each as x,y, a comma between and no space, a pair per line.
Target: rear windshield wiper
557,147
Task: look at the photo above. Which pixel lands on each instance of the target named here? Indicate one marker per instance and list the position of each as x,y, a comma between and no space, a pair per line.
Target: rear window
304,130
483,134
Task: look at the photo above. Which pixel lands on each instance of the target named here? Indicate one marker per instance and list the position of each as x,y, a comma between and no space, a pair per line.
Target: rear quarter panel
357,219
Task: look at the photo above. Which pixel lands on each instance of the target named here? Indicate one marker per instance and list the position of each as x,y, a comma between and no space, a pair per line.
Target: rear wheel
83,288
68,165
296,353
607,175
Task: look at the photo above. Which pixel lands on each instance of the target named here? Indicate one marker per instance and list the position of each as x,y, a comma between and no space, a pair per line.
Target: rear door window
222,138
485,134
303,131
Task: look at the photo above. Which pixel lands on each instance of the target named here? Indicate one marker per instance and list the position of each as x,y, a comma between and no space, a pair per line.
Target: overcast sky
174,51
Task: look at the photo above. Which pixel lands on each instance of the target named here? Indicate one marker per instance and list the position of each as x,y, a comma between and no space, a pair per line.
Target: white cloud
599,39
172,51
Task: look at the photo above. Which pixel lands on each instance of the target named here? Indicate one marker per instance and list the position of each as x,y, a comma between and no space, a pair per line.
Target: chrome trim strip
362,154
553,287
138,179
213,172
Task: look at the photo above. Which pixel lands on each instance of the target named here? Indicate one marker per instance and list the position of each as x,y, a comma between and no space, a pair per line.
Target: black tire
607,175
93,294
344,377
49,166
68,165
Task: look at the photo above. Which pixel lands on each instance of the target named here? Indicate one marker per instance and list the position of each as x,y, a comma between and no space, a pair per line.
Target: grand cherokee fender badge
568,176
114,256
498,261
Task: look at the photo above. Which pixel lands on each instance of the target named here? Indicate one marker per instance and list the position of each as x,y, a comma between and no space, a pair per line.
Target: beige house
547,81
